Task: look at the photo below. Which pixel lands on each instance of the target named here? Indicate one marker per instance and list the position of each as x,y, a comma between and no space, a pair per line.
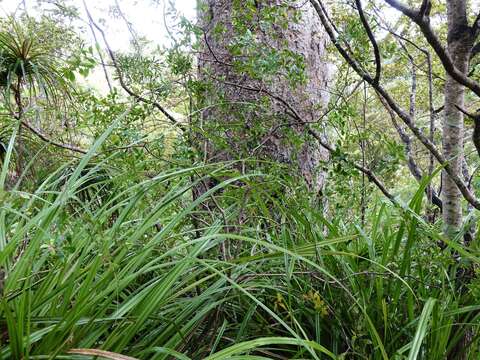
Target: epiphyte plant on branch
30,74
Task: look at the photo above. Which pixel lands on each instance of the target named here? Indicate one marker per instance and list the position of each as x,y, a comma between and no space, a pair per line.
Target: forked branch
121,80
402,114
421,18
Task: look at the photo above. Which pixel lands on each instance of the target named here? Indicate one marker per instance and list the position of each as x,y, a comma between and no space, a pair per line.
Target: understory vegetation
126,270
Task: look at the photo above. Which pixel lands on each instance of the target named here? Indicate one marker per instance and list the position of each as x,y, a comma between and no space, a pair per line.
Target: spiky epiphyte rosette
28,66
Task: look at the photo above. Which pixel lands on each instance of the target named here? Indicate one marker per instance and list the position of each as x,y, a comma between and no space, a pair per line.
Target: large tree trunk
460,42
239,121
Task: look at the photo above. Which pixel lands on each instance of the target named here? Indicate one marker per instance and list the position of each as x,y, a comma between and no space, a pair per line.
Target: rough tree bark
238,121
460,43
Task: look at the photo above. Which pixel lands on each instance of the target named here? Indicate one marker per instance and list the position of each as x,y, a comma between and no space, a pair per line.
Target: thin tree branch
433,117
290,110
476,127
50,141
425,8
122,82
475,51
476,26
467,194
371,37
132,31
430,190
412,164
423,21
102,62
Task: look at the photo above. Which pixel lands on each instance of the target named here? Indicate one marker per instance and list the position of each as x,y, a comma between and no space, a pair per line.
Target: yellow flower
280,302
317,302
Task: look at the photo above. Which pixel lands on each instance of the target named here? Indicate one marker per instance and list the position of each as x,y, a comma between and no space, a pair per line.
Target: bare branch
467,194
475,50
473,116
290,110
425,8
476,127
433,116
412,164
476,26
422,20
371,37
122,82
102,62
50,141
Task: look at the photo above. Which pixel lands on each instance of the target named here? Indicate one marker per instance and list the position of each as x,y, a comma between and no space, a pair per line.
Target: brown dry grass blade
105,354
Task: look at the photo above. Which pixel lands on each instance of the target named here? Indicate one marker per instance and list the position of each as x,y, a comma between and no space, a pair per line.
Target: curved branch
411,162
371,37
407,120
476,127
121,80
290,110
50,141
421,19
475,51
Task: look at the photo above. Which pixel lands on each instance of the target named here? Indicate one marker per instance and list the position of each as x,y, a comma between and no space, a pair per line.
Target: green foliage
26,61
133,276
116,252
83,62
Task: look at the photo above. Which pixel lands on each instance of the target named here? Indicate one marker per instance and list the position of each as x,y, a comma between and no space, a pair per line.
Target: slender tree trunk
236,114
20,146
460,42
